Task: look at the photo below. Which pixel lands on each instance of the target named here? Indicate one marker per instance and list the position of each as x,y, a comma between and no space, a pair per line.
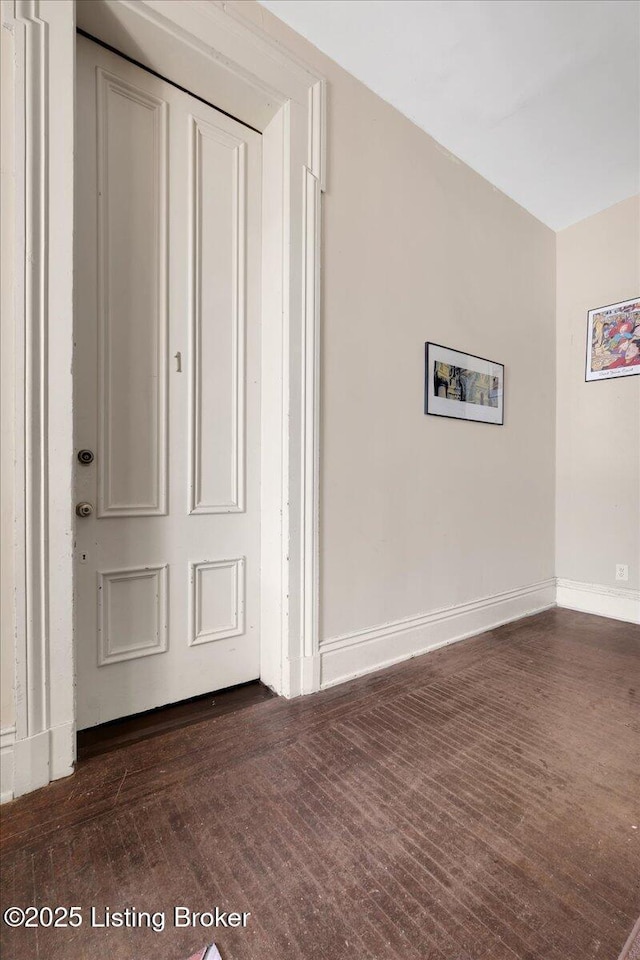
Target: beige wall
598,423
420,512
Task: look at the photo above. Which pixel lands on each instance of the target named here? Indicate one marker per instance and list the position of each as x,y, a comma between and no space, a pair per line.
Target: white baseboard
7,740
618,603
31,763
352,655
34,762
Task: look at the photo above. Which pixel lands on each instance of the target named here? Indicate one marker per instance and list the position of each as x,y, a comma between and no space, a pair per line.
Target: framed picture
462,386
613,340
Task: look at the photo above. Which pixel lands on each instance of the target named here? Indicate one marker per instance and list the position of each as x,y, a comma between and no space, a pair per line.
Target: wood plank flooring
478,803
119,733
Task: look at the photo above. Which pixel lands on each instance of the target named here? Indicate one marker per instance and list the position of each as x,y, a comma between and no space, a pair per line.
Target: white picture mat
616,371
457,408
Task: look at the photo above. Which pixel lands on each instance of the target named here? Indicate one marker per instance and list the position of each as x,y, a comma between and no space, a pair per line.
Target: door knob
84,509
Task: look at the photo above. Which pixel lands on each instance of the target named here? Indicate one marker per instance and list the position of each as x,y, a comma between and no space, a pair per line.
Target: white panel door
167,392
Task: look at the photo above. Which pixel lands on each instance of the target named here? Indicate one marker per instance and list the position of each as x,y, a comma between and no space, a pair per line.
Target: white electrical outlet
622,571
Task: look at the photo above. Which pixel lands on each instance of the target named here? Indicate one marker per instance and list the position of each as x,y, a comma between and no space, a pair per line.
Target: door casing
218,53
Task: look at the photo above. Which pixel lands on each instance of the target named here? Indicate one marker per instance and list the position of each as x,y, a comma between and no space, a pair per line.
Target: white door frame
215,50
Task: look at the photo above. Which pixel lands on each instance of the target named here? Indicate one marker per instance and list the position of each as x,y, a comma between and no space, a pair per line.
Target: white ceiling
542,97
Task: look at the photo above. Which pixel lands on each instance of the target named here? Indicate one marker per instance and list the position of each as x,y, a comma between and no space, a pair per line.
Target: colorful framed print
462,386
613,340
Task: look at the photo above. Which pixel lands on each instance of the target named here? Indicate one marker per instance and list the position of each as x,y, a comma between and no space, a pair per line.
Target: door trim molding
216,44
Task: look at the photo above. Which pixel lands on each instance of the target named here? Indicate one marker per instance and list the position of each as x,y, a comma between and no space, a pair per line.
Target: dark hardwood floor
479,803
153,723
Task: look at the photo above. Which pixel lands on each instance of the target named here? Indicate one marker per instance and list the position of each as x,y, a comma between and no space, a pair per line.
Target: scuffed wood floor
478,803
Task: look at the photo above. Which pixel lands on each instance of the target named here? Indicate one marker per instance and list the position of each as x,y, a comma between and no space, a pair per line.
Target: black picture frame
444,395
611,311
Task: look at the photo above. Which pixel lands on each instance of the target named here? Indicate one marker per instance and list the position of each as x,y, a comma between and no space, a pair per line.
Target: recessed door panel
217,600
218,304
132,608
132,303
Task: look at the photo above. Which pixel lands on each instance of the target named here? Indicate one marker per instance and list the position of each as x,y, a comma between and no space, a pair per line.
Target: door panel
219,265
132,188
167,392
132,613
217,600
